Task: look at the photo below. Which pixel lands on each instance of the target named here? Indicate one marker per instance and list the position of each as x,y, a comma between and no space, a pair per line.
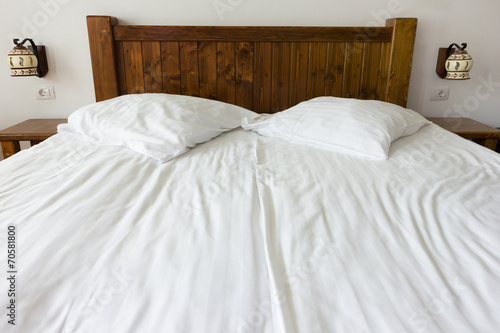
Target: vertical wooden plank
370,70
403,39
226,86
262,77
317,69
102,53
151,58
132,52
190,82
352,70
244,75
384,72
9,148
298,72
120,67
171,70
335,69
281,76
207,59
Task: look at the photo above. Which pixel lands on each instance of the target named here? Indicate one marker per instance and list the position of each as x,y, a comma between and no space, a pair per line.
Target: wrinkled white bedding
252,234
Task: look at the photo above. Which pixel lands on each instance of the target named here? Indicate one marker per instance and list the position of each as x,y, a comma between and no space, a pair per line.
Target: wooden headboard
264,69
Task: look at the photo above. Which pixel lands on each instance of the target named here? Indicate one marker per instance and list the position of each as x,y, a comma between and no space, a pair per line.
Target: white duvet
252,234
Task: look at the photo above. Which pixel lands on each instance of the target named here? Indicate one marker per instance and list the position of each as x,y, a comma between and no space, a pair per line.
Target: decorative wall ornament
27,61
454,64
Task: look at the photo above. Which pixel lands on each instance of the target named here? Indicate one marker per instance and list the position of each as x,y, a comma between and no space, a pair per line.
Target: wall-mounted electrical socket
440,93
46,92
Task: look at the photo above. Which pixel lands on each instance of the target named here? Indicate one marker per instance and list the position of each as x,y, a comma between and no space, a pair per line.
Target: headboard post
102,53
401,57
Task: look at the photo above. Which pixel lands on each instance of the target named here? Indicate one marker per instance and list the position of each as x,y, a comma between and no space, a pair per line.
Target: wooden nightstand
470,129
33,130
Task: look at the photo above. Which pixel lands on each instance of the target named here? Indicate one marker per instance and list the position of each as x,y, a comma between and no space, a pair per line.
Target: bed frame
264,69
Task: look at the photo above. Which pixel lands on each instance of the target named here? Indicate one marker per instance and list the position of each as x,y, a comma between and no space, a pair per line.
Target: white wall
61,26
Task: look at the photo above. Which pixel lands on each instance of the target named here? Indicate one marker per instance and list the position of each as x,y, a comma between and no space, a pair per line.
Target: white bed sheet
251,234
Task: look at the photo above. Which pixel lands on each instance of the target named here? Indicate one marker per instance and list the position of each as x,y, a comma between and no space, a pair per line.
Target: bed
248,219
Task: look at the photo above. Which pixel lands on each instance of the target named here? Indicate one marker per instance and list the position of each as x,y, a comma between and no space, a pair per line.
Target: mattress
246,233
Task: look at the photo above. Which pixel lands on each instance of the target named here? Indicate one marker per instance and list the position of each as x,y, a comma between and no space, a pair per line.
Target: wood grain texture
33,130
262,77
298,72
171,67
281,75
403,39
352,70
383,78
10,148
251,34
265,69
226,83
151,60
190,84
102,53
316,69
245,74
134,79
370,72
334,69
121,69
470,129
207,65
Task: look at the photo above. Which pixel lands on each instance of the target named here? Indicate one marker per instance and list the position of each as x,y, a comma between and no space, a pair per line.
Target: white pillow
362,127
161,126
